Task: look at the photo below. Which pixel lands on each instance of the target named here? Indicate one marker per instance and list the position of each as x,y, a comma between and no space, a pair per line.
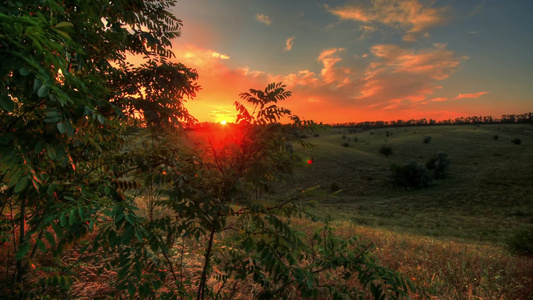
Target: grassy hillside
488,195
449,237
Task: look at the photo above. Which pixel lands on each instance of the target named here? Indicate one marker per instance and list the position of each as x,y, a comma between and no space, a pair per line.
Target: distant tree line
512,118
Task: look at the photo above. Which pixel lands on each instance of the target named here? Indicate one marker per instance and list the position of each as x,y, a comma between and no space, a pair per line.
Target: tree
67,98
75,117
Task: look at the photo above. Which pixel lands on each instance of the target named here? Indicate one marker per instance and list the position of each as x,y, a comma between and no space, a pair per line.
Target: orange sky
351,61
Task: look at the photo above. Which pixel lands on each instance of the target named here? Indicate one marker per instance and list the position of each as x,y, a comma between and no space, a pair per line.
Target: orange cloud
263,19
220,84
440,99
470,96
410,16
288,43
392,82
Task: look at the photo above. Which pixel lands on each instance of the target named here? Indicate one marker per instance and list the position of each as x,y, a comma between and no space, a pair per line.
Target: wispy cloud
412,17
263,19
288,43
440,99
392,81
470,95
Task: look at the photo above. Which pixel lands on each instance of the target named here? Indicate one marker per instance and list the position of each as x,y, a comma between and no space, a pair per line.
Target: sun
223,122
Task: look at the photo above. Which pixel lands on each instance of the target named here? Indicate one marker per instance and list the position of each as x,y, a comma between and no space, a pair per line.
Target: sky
363,60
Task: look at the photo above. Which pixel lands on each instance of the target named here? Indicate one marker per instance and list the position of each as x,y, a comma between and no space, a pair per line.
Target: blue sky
362,60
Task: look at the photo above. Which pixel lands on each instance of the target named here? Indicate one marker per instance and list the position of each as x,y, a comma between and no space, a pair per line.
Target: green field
450,237
488,194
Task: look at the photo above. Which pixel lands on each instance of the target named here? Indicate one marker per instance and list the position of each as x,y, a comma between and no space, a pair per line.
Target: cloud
391,82
221,84
330,71
289,43
470,95
412,17
263,19
440,99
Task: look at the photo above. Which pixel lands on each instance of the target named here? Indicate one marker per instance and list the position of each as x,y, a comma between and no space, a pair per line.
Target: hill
487,196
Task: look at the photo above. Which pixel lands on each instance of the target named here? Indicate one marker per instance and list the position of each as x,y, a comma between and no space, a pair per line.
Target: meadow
451,237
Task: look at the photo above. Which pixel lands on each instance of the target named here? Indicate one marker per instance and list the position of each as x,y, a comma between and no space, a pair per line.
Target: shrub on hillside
516,141
521,242
385,150
439,165
411,175
495,137
345,144
334,187
427,139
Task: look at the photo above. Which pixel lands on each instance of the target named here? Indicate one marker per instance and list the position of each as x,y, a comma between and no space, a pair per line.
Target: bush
385,150
411,175
439,164
334,187
521,242
346,144
495,137
316,135
343,137
427,139
516,141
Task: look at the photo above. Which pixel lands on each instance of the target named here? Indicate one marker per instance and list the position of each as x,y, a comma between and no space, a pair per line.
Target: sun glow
223,122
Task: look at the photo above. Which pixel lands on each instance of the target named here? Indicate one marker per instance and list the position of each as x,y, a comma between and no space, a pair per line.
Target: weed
385,150
411,175
439,164
521,241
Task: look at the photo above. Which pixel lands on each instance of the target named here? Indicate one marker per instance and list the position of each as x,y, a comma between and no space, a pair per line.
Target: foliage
516,141
346,145
427,139
385,150
521,241
68,97
439,164
495,137
411,175
77,118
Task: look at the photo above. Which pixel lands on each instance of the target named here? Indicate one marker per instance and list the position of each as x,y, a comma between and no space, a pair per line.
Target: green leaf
23,250
64,24
24,71
63,220
72,217
43,91
6,103
101,119
51,151
62,33
61,127
18,28
50,238
41,245
22,184
131,289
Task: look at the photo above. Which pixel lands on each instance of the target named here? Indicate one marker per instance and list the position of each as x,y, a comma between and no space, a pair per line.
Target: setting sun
223,122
